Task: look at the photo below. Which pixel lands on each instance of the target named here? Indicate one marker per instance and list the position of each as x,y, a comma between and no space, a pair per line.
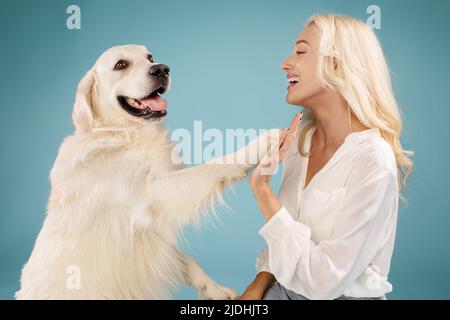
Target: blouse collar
356,135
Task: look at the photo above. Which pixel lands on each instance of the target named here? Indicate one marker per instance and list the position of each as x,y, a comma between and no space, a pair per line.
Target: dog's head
123,87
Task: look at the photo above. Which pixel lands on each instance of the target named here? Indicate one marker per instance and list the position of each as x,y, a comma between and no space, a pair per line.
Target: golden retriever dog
119,196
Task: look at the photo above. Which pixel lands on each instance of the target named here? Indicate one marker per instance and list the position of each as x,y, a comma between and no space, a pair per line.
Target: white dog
118,199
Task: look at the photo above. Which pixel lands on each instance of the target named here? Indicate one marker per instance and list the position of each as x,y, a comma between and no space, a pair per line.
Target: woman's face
301,67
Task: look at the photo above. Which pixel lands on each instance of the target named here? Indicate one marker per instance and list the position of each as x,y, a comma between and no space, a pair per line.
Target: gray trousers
278,292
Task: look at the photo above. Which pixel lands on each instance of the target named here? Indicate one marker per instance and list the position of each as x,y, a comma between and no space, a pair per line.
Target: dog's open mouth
151,106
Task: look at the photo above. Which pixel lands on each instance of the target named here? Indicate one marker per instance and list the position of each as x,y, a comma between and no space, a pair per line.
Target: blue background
225,59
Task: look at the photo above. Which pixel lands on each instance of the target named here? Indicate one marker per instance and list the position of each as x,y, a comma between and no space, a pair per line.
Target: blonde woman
330,231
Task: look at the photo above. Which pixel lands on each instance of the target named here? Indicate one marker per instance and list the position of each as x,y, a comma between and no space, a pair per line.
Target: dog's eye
121,64
150,58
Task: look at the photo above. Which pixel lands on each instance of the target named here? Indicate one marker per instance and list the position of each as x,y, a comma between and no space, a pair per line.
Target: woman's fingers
295,122
292,129
283,133
290,136
294,125
276,153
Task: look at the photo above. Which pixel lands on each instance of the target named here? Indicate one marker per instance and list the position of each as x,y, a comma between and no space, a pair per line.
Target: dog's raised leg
207,289
184,193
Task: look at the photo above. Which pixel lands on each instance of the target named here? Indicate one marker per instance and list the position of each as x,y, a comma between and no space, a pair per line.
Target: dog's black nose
160,70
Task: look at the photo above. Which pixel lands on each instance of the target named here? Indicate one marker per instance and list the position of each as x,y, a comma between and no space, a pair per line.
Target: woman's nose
285,65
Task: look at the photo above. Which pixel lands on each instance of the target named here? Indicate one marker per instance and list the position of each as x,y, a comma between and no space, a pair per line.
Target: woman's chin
290,99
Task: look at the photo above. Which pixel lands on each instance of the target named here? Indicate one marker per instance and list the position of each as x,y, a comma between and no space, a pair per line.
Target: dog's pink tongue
155,103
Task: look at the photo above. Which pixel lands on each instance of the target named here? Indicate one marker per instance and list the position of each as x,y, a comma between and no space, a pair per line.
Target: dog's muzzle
152,105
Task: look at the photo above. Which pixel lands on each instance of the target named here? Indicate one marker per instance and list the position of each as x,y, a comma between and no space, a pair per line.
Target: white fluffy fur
118,203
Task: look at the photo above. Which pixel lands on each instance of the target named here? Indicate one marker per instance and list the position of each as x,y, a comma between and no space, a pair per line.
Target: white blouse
336,236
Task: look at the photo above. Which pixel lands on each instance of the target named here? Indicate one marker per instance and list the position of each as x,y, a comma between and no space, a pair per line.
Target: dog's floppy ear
82,114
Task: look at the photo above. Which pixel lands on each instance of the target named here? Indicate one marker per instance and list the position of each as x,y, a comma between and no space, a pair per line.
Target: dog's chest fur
102,220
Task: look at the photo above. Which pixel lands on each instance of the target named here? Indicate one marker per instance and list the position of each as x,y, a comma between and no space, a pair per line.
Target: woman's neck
334,122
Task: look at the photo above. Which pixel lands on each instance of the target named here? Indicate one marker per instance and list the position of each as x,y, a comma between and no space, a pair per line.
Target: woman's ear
82,114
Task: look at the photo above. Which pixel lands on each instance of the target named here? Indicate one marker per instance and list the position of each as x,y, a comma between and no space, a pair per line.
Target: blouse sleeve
262,263
324,270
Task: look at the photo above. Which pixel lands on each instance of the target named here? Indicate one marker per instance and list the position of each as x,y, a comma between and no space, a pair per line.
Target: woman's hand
264,171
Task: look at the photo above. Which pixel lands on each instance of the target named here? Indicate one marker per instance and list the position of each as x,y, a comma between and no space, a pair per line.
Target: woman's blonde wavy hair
352,62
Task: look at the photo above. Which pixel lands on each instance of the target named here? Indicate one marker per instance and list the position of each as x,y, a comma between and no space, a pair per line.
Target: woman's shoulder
375,154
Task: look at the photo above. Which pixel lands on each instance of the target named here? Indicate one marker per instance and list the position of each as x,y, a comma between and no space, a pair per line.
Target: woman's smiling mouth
293,80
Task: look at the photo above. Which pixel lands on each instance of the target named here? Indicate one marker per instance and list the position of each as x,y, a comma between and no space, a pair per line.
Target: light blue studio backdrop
225,59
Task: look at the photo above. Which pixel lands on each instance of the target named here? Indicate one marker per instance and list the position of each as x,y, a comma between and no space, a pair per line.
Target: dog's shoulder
146,152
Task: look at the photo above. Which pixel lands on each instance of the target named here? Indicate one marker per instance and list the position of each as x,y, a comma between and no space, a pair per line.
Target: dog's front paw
213,291
258,148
